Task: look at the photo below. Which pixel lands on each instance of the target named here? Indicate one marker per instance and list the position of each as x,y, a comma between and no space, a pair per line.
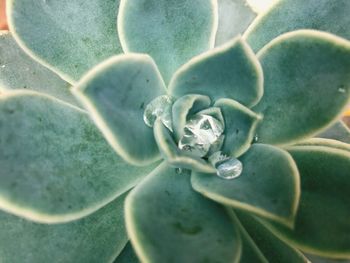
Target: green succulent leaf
184,106
240,126
116,94
268,185
68,36
99,237
324,142
55,165
338,131
19,71
273,248
173,155
127,255
230,71
306,85
234,18
250,252
169,222
285,16
322,222
171,32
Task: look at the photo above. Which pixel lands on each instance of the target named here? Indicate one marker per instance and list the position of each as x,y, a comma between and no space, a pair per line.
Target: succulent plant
174,132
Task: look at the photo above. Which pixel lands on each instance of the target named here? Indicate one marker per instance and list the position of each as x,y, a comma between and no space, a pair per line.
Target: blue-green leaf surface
306,85
171,32
55,164
116,94
268,186
230,71
289,15
240,126
167,221
19,71
250,251
322,223
99,237
273,248
69,36
127,255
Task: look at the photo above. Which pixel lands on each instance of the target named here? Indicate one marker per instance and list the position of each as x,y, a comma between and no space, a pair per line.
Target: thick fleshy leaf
230,71
116,94
184,106
234,18
173,155
68,36
316,259
338,131
326,143
250,252
274,249
240,126
99,237
307,85
268,185
322,223
55,165
169,222
127,255
285,16
19,71
172,32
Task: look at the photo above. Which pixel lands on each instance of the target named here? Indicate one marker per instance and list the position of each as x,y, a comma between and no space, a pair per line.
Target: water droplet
229,169
341,90
256,138
3,66
160,107
178,170
202,134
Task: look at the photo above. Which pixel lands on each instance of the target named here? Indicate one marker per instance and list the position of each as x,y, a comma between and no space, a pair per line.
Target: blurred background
257,5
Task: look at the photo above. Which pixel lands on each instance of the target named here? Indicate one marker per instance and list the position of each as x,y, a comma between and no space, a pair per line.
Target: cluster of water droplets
160,108
203,136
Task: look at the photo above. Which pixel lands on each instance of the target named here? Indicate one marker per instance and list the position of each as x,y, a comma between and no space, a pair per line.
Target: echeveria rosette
63,175
196,209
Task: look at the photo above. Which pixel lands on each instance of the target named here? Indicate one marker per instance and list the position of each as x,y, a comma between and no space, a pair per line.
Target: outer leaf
169,222
322,223
306,85
339,131
127,255
184,106
316,259
172,32
234,18
55,165
240,126
174,156
116,94
268,185
250,251
274,249
286,16
326,143
19,71
98,237
68,36
230,71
